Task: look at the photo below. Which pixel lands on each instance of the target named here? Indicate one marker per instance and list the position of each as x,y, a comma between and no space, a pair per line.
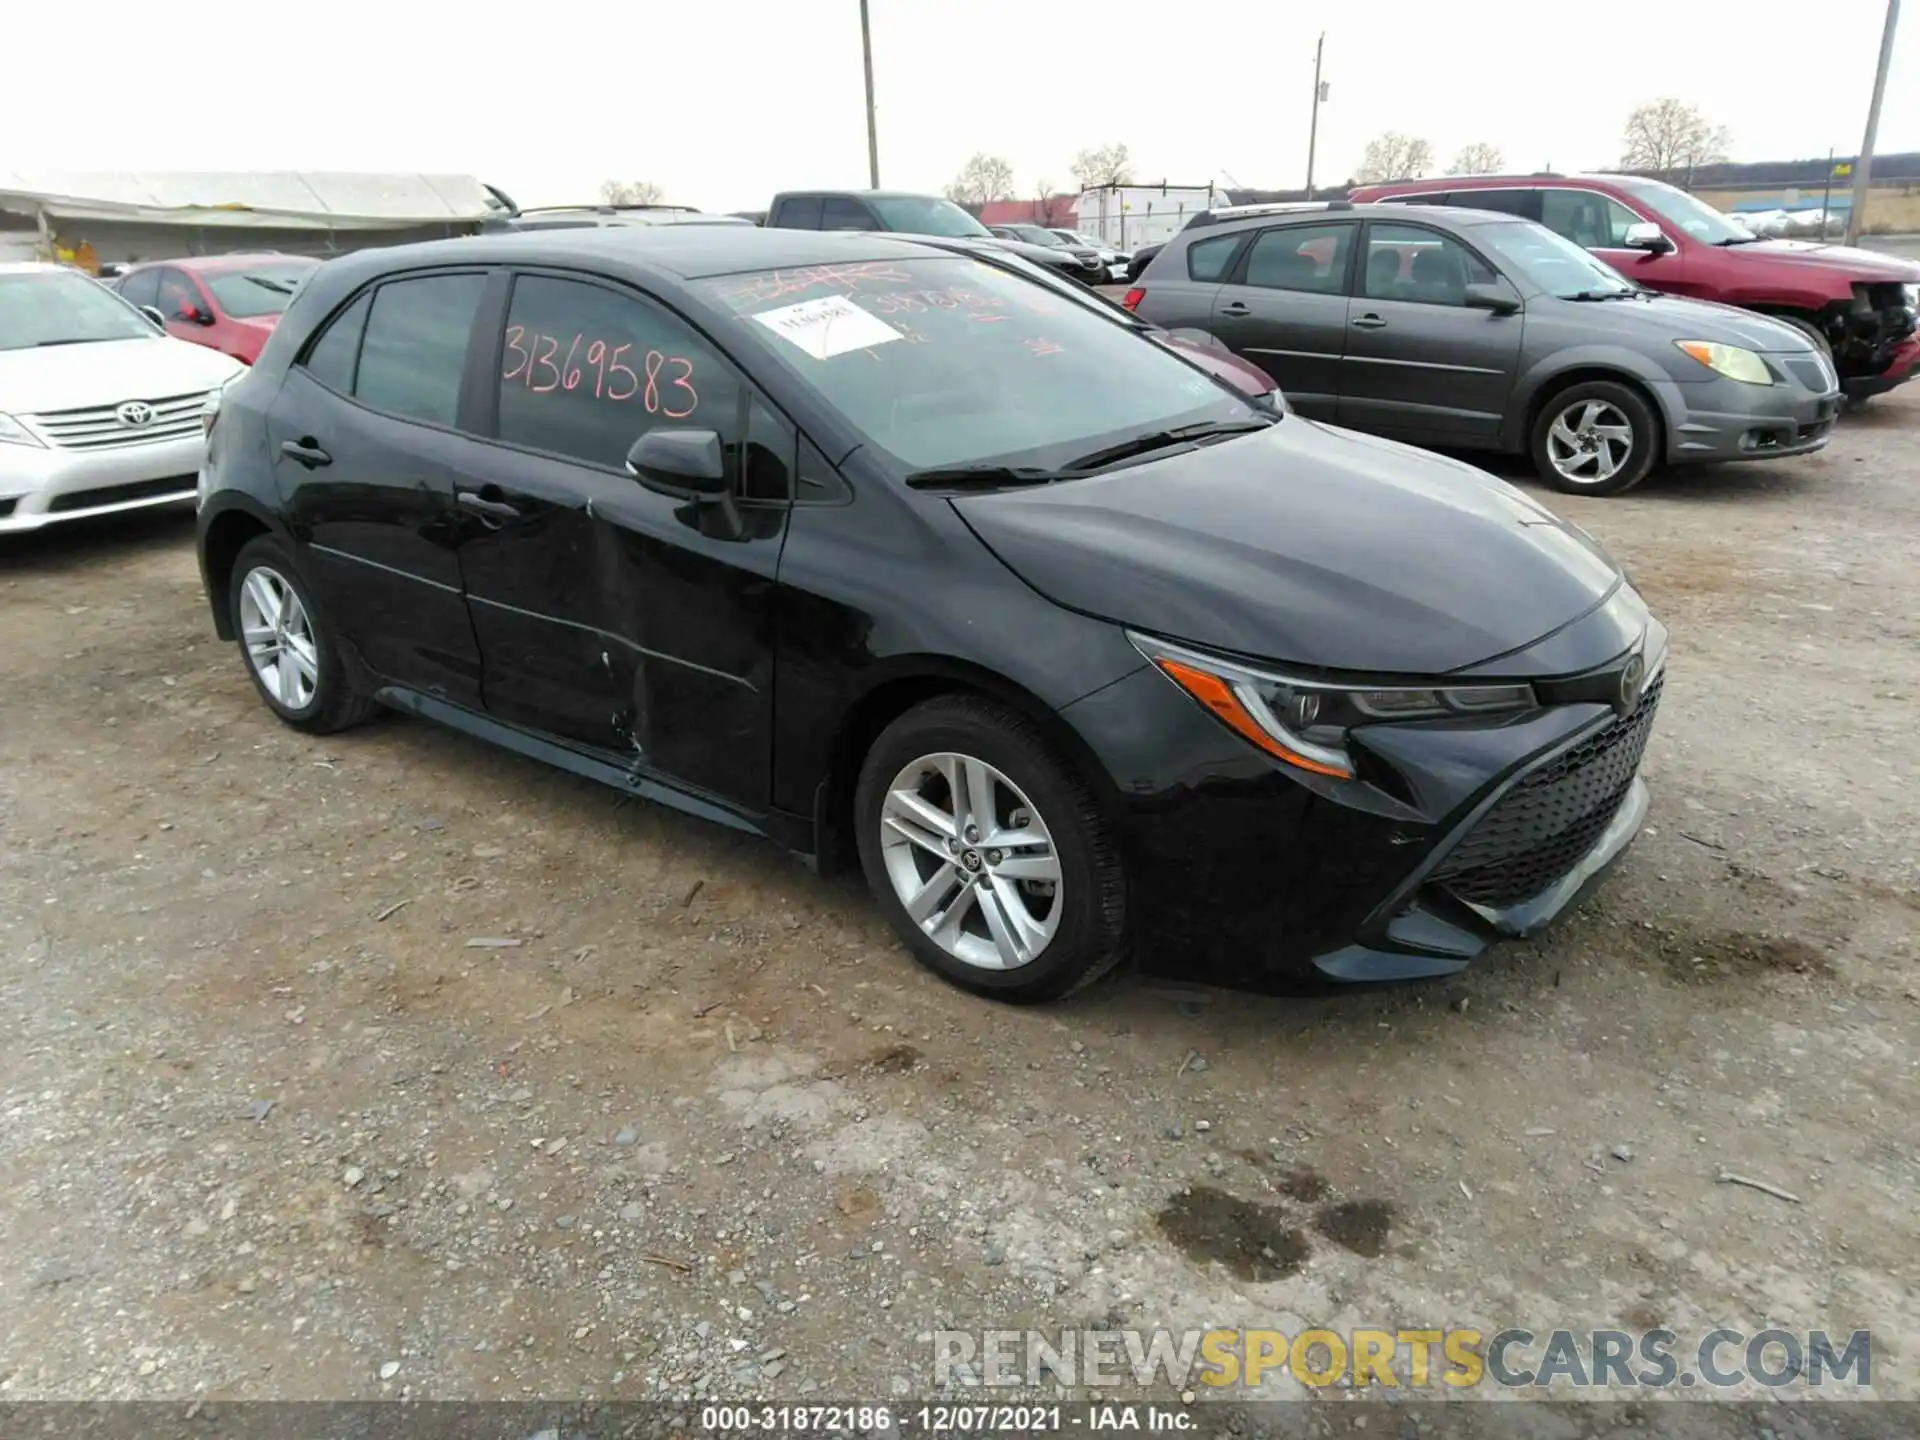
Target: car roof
1488,182
1251,216
223,262
864,194
34,267
682,252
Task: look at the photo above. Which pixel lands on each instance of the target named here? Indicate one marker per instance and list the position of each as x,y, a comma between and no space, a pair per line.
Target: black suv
884,552
907,214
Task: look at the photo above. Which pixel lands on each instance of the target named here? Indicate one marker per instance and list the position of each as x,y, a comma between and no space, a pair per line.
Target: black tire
1630,404
1088,938
334,704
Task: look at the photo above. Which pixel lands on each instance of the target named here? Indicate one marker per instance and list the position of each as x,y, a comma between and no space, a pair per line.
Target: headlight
1728,360
1305,723
1912,294
12,432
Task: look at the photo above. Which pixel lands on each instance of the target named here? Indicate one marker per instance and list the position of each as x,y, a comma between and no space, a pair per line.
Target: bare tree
1478,158
1043,202
629,192
1103,165
1671,137
1394,156
982,179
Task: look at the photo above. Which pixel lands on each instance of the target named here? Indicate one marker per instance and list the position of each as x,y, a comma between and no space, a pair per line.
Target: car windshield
64,307
925,215
264,289
955,362
1549,262
1034,235
1698,219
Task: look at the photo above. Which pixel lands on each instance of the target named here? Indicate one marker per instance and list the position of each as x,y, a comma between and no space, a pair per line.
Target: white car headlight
1729,360
12,432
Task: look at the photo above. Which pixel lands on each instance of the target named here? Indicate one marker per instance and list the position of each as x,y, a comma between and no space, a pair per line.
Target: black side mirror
682,464
152,312
1490,297
196,314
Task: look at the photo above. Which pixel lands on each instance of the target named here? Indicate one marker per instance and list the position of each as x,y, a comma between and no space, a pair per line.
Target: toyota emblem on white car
135,413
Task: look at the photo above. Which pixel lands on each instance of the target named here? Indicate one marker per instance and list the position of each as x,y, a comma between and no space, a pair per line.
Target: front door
1284,307
608,615
362,442
1599,223
1418,362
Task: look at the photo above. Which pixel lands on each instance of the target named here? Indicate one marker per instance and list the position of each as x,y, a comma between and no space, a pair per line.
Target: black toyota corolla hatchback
892,555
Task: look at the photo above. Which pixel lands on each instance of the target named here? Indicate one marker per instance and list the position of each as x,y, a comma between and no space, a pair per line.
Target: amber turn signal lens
1214,693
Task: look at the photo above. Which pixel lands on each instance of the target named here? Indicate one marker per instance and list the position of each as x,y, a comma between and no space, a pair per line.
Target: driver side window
585,371
178,295
1594,221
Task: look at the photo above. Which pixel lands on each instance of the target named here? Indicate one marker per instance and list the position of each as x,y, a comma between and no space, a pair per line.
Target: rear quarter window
335,355
1209,260
800,212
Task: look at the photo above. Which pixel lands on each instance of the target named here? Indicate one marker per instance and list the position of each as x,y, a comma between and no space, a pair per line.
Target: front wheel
290,650
1595,438
991,857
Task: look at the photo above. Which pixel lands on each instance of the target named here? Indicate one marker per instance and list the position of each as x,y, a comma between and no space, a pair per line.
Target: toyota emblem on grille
135,413
1632,674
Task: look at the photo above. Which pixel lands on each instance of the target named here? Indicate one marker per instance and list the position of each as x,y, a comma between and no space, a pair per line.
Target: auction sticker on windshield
828,327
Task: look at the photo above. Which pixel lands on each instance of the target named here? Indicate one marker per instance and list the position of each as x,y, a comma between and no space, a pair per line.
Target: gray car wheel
290,651
1595,438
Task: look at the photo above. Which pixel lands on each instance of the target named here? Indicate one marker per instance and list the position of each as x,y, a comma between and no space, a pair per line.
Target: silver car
1474,330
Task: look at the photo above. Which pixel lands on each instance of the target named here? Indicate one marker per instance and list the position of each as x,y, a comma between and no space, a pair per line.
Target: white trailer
1129,216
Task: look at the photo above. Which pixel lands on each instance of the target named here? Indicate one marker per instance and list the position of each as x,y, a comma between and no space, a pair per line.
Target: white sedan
100,410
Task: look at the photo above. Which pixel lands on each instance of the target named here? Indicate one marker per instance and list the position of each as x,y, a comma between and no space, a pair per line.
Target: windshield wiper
953,476
1601,295
1732,240
80,340
1161,439
279,287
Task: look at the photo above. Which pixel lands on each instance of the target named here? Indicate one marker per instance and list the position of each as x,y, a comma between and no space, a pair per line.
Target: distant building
91,219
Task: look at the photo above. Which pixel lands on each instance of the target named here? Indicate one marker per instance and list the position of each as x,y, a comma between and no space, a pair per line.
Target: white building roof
334,200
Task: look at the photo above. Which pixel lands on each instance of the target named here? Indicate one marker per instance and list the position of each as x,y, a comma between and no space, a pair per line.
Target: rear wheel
291,654
988,853
1595,438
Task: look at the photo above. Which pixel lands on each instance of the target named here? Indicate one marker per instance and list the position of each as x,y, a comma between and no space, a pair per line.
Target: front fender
1592,362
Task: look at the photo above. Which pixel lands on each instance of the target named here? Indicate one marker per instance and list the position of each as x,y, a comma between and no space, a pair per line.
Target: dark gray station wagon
1469,329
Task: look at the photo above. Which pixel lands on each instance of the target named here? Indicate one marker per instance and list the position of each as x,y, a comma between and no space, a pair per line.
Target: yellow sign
1842,170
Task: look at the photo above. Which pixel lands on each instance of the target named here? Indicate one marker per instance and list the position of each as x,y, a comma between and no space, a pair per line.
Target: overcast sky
722,102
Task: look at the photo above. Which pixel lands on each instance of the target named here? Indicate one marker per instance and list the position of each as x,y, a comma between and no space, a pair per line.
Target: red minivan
227,302
1856,304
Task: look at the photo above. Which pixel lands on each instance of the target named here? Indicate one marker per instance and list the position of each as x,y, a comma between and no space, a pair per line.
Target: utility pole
1826,196
1319,94
873,132
1864,165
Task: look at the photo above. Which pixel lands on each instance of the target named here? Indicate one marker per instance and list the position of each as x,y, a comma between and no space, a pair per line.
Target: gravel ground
273,1122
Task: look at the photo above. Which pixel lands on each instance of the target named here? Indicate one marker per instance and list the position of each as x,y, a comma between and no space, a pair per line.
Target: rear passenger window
1504,202
1209,259
585,372
335,354
416,346
837,213
1312,258
800,213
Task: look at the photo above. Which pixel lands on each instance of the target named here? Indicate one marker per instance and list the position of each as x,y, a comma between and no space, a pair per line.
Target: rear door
1284,307
364,442
1418,362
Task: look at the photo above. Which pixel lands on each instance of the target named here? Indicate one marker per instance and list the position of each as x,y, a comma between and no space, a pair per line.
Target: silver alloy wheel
1589,442
971,860
278,636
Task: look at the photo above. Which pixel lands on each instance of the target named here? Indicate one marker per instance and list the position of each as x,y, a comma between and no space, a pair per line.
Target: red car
1857,305
226,302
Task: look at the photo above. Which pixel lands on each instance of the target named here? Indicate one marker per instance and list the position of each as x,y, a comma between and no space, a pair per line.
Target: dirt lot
271,1124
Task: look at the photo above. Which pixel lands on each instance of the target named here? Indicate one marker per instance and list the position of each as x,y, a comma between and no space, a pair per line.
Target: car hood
75,377
1866,265
1308,545
1653,315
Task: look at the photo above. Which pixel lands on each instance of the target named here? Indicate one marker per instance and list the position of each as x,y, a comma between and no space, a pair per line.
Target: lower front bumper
1444,934
1902,368
41,487
1725,420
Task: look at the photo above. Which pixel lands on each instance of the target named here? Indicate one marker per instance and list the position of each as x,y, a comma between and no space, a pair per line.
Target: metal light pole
1864,165
1319,94
873,132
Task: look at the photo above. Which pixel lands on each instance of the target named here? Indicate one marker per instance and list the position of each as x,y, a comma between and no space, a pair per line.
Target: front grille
1539,830
99,427
181,485
1812,374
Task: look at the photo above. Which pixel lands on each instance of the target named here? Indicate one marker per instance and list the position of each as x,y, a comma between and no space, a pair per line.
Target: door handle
306,451
1370,322
1236,308
497,511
